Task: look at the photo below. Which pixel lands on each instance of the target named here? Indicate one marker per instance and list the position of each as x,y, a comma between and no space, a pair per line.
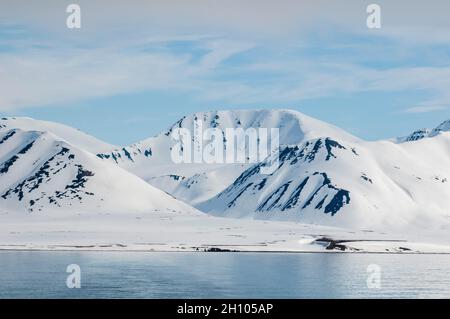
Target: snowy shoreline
2,249
178,232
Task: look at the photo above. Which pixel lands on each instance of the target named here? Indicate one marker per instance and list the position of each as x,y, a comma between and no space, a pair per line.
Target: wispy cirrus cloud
222,52
44,76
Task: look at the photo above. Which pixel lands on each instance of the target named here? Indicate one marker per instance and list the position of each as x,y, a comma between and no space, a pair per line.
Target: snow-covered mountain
325,175
336,182
42,173
294,127
336,179
150,159
425,132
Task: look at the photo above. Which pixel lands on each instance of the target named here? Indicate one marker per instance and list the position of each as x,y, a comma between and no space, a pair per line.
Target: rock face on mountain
300,183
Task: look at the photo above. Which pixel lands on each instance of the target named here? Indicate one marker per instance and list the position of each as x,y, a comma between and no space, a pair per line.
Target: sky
135,67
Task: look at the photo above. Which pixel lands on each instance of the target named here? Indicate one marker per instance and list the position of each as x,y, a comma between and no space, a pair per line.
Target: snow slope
332,181
64,132
42,174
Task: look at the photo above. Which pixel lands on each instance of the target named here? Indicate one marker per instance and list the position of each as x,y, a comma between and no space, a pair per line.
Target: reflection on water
222,275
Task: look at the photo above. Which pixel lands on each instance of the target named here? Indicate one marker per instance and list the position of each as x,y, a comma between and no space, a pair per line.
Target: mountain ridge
326,175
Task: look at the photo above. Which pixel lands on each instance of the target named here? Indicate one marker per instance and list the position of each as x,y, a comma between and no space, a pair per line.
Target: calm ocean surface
222,275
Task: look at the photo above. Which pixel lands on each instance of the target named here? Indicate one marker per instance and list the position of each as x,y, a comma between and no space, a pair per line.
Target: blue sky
132,70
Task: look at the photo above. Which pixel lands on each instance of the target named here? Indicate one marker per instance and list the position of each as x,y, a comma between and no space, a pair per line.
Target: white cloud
424,109
309,79
107,57
39,77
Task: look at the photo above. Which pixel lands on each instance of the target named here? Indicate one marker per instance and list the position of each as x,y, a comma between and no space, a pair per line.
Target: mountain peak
294,126
67,133
443,127
425,132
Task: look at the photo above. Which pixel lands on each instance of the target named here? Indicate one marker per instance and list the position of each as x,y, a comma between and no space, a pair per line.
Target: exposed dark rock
276,195
7,136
